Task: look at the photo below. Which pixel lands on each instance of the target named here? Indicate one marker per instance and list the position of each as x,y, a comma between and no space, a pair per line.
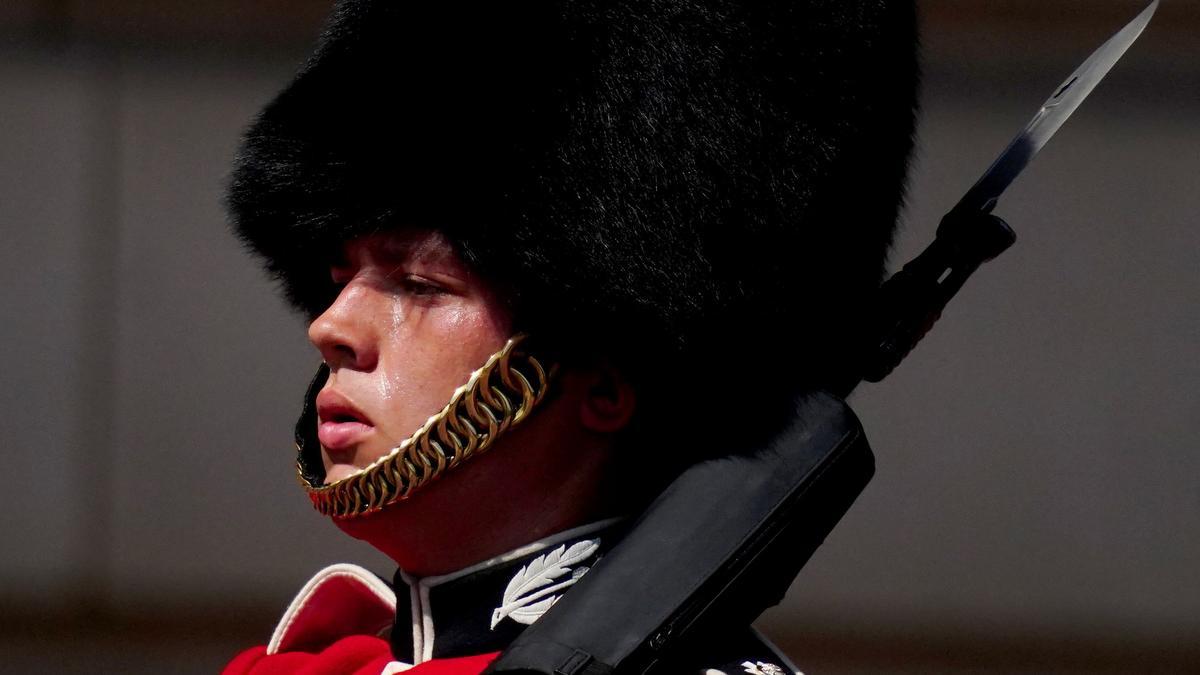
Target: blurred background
1037,501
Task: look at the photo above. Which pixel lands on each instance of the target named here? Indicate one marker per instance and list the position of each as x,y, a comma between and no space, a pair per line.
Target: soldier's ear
608,401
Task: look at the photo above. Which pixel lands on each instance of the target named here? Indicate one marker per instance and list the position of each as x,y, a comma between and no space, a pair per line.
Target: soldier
552,253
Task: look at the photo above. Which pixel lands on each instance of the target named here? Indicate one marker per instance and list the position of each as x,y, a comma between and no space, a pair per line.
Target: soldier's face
409,326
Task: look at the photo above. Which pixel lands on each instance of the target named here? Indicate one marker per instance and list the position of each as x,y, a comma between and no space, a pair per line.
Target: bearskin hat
702,190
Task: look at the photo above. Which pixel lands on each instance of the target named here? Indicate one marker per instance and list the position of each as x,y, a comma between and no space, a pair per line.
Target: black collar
483,608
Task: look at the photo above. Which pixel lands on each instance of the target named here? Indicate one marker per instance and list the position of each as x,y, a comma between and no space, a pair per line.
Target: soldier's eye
420,286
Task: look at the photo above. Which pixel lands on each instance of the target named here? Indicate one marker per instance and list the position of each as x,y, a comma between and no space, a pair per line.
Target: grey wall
1037,455
154,385
1038,463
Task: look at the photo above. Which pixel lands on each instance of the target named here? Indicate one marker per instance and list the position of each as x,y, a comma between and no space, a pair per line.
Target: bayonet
912,300
1054,112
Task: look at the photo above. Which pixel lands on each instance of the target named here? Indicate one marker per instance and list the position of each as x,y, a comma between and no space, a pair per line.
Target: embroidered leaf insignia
532,591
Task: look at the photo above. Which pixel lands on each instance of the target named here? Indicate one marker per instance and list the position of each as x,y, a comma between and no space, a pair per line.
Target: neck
520,491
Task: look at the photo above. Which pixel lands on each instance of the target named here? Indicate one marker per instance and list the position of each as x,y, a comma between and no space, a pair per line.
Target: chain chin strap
498,396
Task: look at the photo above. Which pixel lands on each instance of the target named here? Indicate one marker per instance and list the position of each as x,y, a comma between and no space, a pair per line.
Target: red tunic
354,655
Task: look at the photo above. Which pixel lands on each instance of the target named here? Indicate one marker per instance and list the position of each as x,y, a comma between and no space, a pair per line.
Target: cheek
428,352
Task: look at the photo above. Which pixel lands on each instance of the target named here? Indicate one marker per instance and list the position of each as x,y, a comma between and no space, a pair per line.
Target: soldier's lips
340,425
335,435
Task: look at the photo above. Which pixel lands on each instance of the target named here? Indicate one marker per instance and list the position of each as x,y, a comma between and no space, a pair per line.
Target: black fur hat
703,190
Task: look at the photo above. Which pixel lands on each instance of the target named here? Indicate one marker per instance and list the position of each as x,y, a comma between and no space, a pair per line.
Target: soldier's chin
336,472
353,454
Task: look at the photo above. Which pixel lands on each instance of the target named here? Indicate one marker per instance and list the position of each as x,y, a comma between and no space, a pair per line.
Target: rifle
747,523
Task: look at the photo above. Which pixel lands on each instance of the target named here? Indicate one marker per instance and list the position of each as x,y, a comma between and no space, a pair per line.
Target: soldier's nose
343,332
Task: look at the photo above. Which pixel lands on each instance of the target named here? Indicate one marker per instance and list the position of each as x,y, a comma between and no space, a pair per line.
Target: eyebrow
430,248
426,248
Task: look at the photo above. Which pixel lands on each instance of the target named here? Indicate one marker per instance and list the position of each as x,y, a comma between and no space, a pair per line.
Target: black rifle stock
727,537
722,542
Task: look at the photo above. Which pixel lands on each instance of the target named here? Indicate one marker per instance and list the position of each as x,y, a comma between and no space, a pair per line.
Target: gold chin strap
496,397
